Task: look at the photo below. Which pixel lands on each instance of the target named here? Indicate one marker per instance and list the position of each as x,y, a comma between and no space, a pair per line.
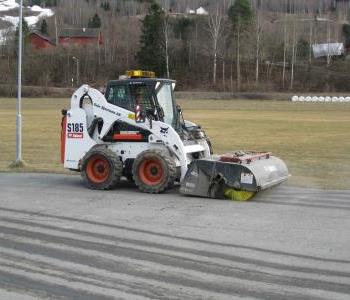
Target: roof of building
80,32
332,49
43,36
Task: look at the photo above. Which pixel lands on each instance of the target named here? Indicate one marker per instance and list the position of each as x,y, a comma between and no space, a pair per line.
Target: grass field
313,139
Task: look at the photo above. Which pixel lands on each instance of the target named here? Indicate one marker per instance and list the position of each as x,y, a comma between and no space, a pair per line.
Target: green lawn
313,139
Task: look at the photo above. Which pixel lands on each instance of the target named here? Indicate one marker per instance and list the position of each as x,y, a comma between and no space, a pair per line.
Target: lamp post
19,162
77,62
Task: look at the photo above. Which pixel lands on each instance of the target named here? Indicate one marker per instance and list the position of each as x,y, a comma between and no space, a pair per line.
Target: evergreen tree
35,2
241,16
44,27
25,29
151,53
95,21
105,5
303,47
346,32
25,35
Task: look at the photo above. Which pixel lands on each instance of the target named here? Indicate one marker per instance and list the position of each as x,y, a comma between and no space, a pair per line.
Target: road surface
59,240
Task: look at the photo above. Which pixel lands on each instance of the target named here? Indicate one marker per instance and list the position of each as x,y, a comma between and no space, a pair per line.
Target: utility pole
19,163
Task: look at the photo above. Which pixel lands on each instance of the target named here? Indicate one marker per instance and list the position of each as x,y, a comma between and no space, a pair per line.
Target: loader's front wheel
101,169
154,171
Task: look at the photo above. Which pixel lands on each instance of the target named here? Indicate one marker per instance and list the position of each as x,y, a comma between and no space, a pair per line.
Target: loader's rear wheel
101,169
154,171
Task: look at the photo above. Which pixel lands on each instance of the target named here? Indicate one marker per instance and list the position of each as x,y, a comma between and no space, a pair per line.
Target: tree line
239,45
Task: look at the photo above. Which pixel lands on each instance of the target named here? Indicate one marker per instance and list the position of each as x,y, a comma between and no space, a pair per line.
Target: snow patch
6,5
37,8
31,20
10,19
44,12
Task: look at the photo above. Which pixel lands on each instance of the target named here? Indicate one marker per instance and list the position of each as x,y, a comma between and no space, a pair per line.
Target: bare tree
328,41
215,25
284,50
257,54
166,44
310,42
294,55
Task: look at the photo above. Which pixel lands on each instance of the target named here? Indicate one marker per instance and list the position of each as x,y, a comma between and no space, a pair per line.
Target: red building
40,41
80,37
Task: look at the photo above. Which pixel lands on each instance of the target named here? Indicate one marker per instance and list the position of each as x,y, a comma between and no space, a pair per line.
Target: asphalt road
59,240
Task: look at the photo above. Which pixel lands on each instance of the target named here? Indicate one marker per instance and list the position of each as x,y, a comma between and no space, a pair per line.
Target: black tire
154,171
101,169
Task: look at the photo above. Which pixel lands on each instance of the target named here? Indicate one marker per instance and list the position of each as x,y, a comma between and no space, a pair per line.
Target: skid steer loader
136,130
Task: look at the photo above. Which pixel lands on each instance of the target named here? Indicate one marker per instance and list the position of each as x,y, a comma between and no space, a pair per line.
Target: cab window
142,96
119,95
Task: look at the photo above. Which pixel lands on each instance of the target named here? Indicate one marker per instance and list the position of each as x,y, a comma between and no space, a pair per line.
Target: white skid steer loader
136,130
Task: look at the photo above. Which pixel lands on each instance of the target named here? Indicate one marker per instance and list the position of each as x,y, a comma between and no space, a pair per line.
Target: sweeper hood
237,176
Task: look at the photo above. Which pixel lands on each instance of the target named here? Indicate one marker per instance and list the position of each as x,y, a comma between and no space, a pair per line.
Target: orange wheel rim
98,169
151,172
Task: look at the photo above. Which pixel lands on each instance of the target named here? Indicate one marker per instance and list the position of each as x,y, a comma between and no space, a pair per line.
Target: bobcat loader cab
136,130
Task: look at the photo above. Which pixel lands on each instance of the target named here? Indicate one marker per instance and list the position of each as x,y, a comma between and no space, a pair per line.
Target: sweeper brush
237,176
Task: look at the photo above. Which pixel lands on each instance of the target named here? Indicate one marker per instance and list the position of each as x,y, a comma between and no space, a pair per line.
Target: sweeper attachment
238,176
136,131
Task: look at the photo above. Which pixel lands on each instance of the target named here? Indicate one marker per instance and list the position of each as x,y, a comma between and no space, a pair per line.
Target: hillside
275,50
9,16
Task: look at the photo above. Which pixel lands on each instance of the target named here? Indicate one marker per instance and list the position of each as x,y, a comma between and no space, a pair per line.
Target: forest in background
241,45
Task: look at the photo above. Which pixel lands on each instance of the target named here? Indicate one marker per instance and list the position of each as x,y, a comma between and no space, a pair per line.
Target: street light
77,62
18,162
